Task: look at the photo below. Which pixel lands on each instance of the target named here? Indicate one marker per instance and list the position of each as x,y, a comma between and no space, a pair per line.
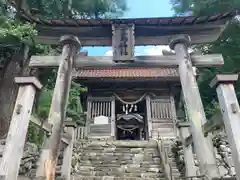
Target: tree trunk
17,65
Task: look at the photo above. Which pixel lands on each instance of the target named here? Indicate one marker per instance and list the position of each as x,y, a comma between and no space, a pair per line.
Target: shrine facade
130,103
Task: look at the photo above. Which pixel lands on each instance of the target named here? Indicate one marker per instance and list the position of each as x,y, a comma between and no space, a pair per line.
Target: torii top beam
148,31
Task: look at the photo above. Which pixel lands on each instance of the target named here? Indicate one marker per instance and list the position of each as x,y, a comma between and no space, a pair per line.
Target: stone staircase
110,160
117,160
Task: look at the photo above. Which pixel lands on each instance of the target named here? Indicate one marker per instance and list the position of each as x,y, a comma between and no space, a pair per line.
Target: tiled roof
86,73
163,21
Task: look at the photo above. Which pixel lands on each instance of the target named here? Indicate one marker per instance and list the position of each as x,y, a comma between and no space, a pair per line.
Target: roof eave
148,31
198,35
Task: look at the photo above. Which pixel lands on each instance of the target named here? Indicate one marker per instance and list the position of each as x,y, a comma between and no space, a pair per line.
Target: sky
139,9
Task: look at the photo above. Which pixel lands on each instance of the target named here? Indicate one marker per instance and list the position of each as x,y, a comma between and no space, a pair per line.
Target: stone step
143,165
117,151
111,160
123,169
121,174
115,163
78,177
120,144
92,153
140,157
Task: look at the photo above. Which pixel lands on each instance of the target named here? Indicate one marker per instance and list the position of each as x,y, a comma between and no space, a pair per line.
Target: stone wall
222,150
30,158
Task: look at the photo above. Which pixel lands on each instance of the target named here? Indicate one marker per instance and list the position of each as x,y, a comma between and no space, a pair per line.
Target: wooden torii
161,61
124,37
179,43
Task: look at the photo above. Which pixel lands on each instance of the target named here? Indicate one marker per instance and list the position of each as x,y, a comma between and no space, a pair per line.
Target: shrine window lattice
100,108
161,109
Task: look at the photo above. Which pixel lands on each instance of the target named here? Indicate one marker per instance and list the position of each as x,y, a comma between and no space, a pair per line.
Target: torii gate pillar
190,170
195,111
57,114
13,150
231,114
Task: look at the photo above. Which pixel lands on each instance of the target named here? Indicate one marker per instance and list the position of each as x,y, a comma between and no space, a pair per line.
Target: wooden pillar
149,119
67,157
195,111
89,114
173,111
187,150
48,158
113,118
231,114
15,141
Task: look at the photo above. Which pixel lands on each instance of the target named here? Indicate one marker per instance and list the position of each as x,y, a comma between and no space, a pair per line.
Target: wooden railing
81,132
164,160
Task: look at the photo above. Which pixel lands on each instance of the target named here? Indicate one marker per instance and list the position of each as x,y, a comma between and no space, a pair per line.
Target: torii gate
127,34
189,86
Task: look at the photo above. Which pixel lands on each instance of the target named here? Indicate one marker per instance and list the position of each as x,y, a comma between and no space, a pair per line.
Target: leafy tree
78,8
228,44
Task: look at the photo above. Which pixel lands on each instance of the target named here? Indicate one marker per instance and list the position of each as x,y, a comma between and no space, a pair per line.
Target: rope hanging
128,102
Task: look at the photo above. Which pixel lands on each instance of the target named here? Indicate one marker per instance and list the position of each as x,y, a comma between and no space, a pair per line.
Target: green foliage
79,8
203,7
228,45
12,31
35,135
44,102
74,109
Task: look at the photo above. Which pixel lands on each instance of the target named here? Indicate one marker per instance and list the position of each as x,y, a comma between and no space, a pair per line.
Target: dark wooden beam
211,60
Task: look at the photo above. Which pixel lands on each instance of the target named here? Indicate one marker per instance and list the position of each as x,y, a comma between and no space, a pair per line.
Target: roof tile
125,72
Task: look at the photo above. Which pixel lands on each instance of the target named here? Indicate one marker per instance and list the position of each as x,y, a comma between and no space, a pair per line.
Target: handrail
164,159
